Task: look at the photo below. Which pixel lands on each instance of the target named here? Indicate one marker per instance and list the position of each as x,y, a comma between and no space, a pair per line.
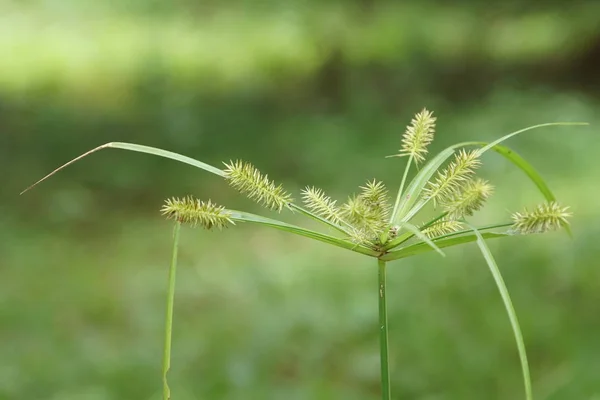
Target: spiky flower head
362,236
321,204
195,212
418,135
248,180
469,199
375,196
449,181
545,217
368,213
355,211
442,227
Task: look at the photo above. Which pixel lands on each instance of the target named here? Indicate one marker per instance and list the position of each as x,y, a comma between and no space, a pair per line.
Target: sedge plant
373,223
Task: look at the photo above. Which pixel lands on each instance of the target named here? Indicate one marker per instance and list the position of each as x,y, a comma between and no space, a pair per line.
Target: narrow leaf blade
167,154
529,128
140,149
420,248
273,223
415,231
510,310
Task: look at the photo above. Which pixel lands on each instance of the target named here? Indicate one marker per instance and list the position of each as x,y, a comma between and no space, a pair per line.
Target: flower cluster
365,217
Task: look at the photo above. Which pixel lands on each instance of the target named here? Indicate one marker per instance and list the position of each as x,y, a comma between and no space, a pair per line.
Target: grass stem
383,334
399,196
169,312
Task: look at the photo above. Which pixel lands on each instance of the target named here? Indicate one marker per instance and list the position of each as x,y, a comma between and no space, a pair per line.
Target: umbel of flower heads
372,223
370,219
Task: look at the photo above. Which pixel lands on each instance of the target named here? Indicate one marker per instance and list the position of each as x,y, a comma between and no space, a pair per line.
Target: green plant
369,223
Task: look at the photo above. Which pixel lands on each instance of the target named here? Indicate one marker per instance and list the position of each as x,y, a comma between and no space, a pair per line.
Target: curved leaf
529,128
421,247
415,231
524,166
273,223
167,154
140,149
510,310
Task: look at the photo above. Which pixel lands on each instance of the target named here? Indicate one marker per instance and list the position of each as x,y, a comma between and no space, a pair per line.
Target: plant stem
399,196
169,314
383,334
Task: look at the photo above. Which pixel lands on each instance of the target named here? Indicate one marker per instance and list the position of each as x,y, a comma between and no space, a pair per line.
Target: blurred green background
311,92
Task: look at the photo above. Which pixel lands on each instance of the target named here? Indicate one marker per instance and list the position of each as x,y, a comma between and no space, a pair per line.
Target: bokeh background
311,92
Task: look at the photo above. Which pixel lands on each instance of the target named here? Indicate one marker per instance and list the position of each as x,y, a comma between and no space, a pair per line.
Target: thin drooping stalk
169,312
383,334
399,196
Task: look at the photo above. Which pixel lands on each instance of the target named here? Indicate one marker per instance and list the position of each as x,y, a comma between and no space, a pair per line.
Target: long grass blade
273,223
522,164
140,149
529,128
415,231
512,315
420,248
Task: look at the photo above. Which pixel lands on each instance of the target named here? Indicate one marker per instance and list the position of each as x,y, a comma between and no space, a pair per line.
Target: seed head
321,204
375,196
368,212
469,199
418,135
545,217
248,180
449,181
442,227
195,212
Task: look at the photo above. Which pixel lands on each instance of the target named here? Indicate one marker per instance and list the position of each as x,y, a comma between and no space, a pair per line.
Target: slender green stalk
383,334
169,314
399,196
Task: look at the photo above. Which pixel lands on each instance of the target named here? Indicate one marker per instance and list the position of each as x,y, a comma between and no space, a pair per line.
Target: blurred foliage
311,92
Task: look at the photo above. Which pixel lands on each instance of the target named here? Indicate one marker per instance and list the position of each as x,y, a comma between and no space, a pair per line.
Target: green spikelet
442,227
375,196
419,134
449,181
321,204
195,212
248,180
355,211
368,212
545,217
468,199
